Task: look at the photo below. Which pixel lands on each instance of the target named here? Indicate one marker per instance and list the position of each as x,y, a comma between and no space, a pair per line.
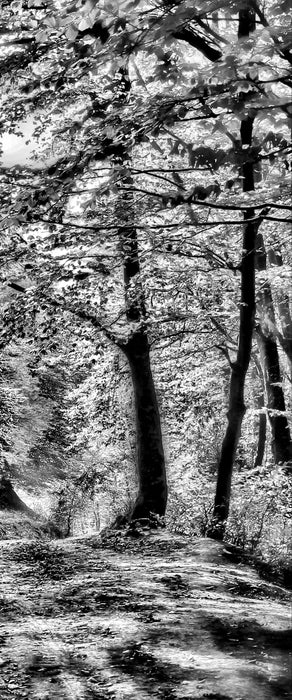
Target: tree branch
84,315
198,42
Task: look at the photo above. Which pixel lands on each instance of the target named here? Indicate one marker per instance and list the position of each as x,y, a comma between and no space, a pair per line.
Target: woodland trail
157,617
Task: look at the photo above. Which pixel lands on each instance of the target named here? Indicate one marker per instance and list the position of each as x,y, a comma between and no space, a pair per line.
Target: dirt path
157,617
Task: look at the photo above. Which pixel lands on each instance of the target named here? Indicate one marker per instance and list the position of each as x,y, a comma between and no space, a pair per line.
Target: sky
17,150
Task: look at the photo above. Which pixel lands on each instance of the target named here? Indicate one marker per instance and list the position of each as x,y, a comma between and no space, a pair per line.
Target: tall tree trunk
285,338
262,424
239,369
281,438
152,494
236,409
266,335
262,435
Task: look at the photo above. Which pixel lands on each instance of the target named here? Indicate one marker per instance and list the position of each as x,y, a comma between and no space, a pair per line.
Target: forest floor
152,617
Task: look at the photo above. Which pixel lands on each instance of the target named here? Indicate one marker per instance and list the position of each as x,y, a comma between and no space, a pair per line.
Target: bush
260,517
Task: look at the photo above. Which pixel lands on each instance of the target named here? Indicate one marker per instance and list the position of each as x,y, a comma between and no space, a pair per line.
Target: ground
139,617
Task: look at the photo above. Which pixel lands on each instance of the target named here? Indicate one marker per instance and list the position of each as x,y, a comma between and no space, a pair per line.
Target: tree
152,496
260,405
239,368
282,298
266,332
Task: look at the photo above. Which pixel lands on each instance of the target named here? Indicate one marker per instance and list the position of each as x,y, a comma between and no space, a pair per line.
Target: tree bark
152,493
239,369
266,335
262,423
281,438
285,338
236,409
262,434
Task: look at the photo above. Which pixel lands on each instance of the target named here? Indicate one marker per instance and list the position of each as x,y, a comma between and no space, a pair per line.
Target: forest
145,350
146,323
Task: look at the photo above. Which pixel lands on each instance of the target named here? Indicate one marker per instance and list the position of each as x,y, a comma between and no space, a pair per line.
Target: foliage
259,519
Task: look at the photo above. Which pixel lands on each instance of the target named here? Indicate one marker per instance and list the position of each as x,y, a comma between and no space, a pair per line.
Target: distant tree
275,258
266,332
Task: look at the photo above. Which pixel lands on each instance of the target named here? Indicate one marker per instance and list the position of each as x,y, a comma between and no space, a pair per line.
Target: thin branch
219,327
225,352
180,200
198,42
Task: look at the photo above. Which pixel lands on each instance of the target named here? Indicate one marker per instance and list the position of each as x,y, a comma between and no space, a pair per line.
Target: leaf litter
160,616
